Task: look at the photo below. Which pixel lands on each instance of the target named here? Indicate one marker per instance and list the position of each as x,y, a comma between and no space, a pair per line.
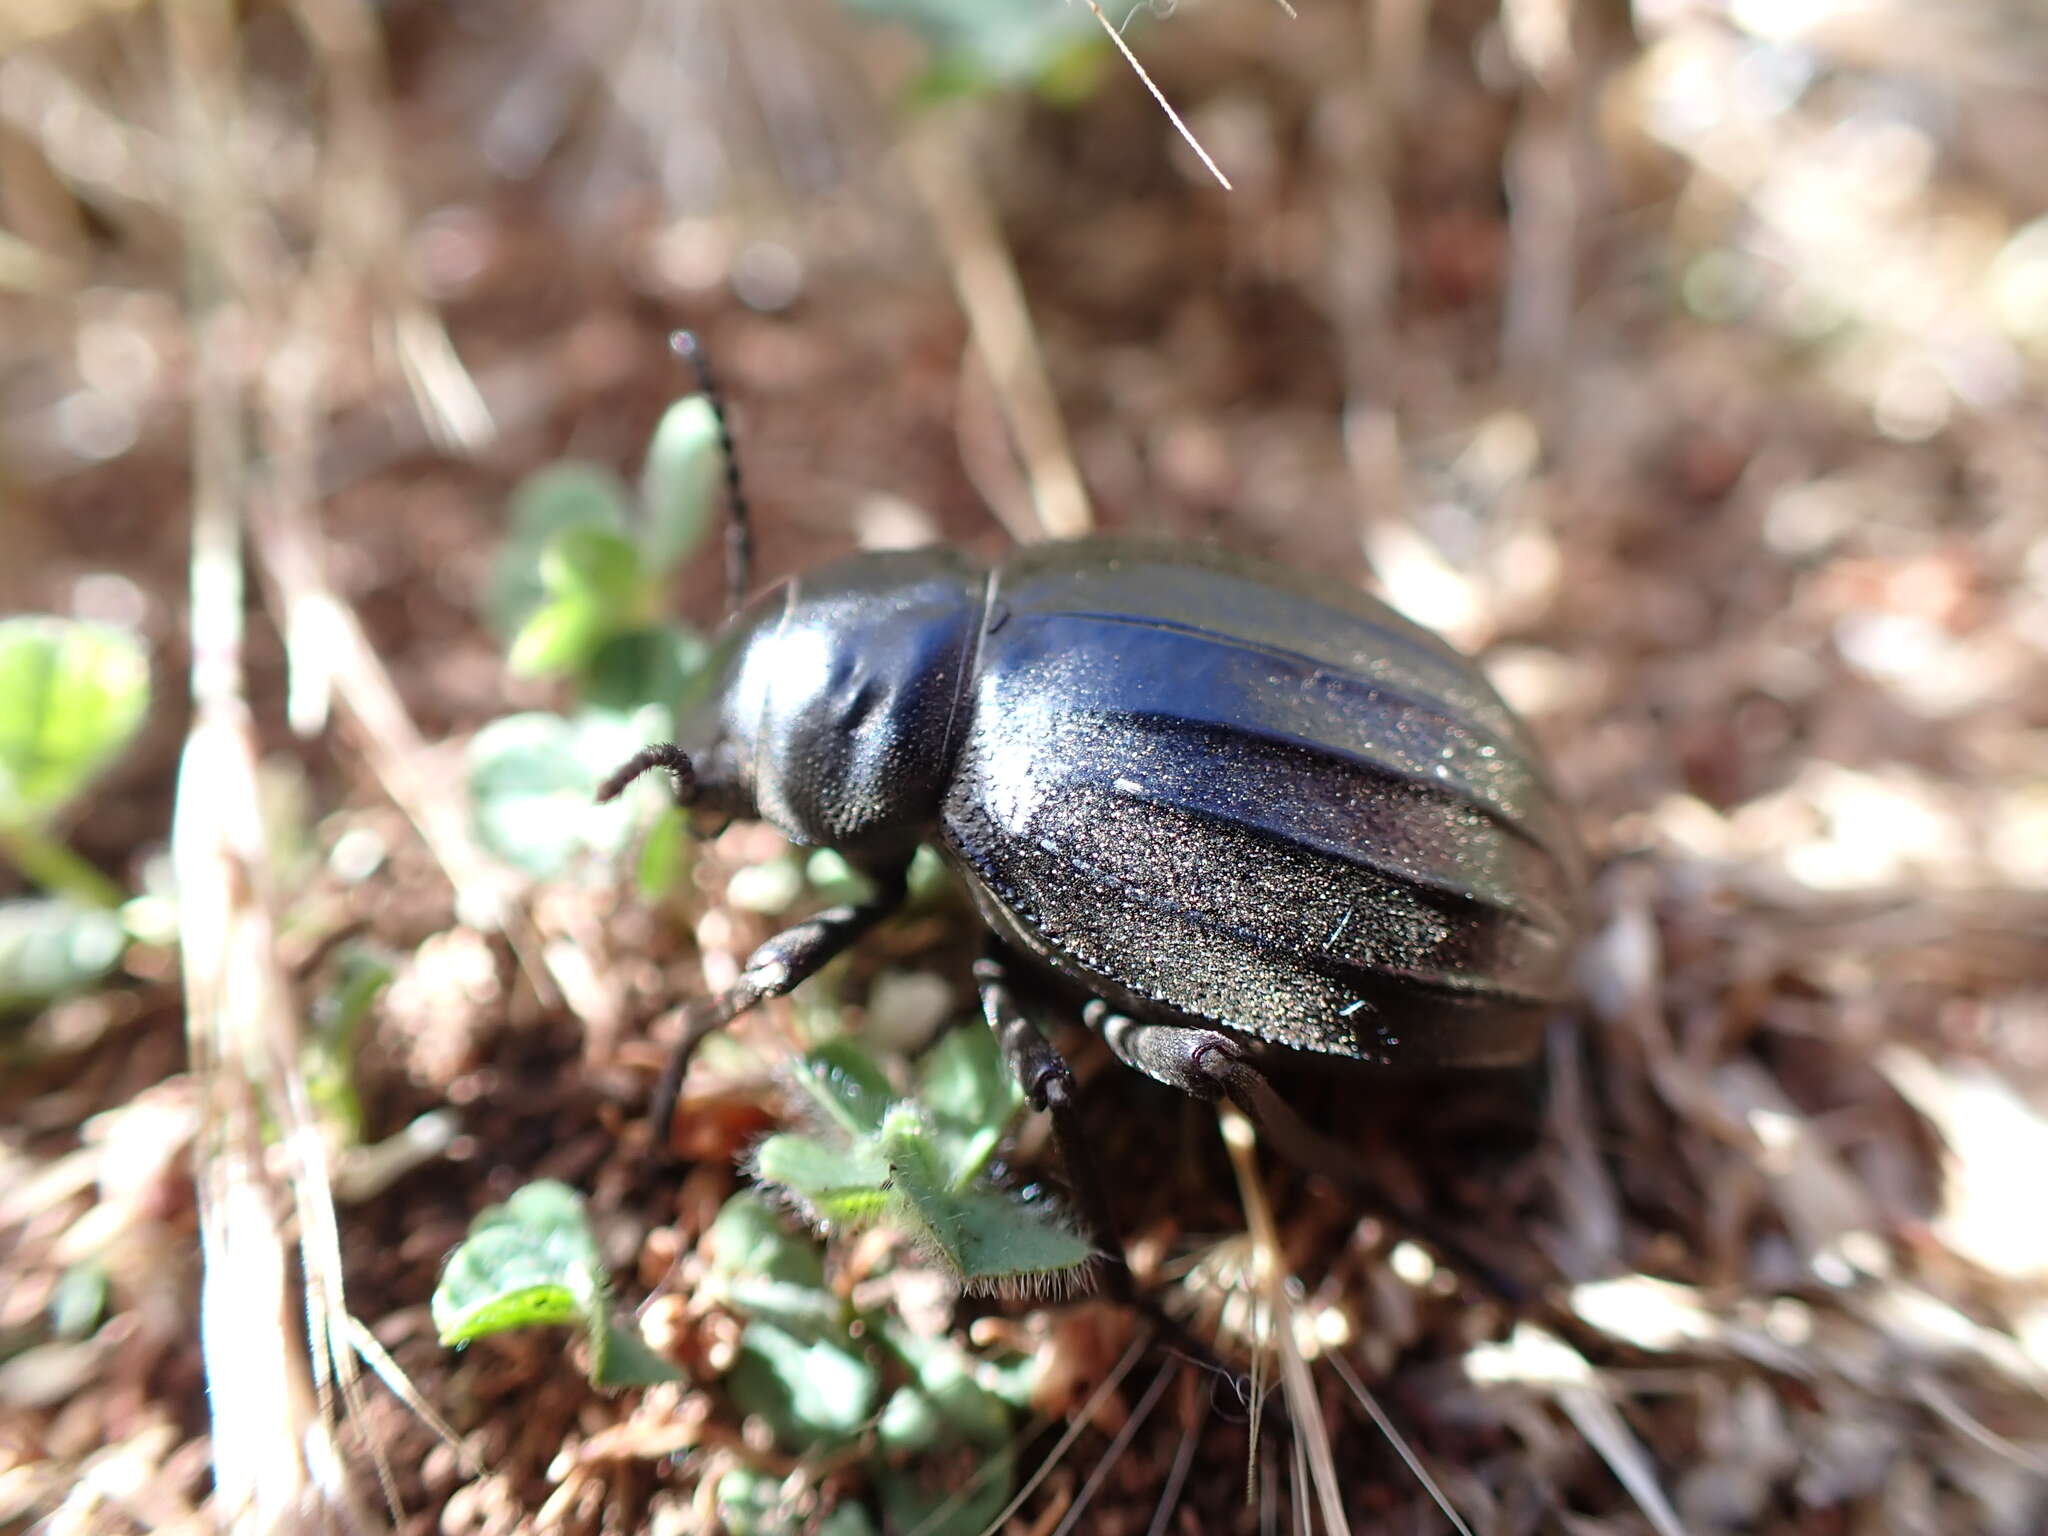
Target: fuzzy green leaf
840,1187
984,1237
632,668
929,1497
767,1273
594,591
748,1238
599,565
665,855
557,637
528,1262
72,695
973,1095
847,1084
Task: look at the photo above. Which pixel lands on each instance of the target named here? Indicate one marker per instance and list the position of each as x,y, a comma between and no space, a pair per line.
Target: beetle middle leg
1209,1065
790,958
1048,1084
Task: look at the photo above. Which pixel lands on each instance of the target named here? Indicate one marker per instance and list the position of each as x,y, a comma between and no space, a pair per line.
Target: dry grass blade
1072,1433
1176,1479
1159,96
1401,1447
1534,1357
238,1011
1303,1406
1118,1446
985,278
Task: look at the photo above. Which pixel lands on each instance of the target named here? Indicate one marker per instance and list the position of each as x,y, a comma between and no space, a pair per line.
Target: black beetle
1249,811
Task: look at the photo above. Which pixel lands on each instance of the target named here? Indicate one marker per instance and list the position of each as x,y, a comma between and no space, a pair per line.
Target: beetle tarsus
660,754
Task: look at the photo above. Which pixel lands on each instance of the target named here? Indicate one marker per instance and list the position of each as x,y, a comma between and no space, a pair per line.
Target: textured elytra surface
1230,793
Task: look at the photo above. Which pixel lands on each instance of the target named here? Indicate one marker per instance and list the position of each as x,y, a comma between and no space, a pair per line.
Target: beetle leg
785,961
1048,1084
1210,1065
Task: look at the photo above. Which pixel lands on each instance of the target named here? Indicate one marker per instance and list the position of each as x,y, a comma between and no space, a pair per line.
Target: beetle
1254,815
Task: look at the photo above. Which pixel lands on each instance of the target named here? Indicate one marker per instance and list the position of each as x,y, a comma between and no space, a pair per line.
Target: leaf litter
1766,573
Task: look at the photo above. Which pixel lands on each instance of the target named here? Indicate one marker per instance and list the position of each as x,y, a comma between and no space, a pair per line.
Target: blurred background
1685,360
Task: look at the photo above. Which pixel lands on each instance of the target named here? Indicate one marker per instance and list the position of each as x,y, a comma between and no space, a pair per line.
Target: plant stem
54,867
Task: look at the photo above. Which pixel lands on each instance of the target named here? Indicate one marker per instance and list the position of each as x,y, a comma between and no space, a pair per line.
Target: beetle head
826,707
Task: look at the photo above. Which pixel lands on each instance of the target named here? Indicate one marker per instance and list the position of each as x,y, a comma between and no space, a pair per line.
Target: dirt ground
1688,363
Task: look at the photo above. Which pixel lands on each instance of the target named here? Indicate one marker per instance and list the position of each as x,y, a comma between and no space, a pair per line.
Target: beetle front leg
1209,1065
792,957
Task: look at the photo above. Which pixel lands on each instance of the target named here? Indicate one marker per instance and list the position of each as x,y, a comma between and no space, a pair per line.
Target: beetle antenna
739,531
662,754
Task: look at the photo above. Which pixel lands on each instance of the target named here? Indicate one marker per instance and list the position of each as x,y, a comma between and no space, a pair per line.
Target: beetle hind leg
1209,1065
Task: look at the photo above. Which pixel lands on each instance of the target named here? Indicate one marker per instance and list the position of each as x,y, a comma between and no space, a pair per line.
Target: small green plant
918,1165
576,593
72,697
938,1419
533,1262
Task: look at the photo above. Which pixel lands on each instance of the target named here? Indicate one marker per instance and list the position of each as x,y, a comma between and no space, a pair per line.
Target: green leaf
529,1262
51,946
840,1187
946,1406
665,855
836,881
641,667
78,1302
767,1273
596,564
847,1084
953,1496
771,887
974,1095
594,589
619,1357
679,482
559,637
548,502
328,1057
72,695
983,1237
748,1238
532,779
812,1393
